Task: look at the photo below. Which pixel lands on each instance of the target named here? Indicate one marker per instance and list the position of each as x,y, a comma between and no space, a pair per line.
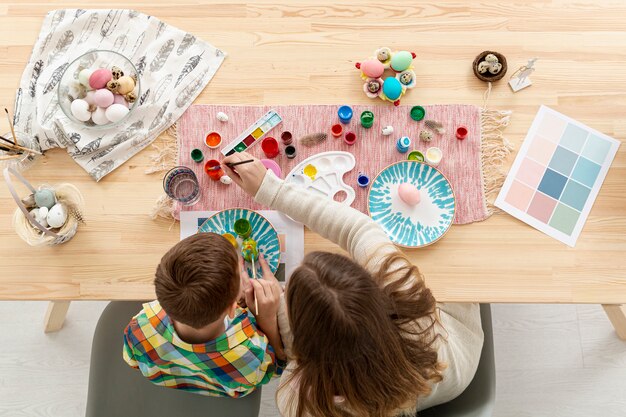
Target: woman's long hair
360,346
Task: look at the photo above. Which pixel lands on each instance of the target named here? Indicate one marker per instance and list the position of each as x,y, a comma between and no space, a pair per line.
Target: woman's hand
247,176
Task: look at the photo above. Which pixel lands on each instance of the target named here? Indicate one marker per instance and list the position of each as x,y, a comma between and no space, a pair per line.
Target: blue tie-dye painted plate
262,231
412,226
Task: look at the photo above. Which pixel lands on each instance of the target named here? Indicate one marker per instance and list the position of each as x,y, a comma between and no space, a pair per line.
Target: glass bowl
70,89
20,162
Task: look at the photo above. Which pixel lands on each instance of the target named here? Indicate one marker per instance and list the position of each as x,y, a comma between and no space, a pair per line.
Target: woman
365,336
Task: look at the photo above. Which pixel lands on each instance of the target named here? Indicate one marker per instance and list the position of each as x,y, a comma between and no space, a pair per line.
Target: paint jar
273,166
417,113
213,140
461,132
402,145
286,137
243,228
231,238
367,119
433,156
350,138
213,169
336,130
270,147
345,114
197,155
415,156
290,151
181,184
363,180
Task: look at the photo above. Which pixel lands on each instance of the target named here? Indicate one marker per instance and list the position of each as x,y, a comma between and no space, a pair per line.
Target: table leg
617,315
55,316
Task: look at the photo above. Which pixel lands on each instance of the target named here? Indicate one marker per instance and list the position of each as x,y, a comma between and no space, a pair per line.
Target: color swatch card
557,175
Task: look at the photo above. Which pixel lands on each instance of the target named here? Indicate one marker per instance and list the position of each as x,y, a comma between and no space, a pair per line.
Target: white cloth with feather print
174,67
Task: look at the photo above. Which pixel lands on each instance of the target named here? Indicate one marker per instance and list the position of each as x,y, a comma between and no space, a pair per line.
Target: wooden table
283,52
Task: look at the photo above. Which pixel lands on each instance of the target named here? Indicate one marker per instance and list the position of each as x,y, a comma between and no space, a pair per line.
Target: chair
479,397
115,389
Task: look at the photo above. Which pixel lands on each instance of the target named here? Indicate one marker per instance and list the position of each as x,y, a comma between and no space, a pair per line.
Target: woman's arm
352,230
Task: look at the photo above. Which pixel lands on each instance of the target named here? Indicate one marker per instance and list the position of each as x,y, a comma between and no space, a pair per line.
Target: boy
195,336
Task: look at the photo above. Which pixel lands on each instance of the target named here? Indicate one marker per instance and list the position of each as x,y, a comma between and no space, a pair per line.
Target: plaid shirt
230,366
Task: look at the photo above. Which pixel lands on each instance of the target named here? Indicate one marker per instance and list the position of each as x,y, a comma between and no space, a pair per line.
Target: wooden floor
551,361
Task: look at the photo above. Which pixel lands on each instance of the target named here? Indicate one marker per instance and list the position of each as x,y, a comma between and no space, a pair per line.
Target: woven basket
29,229
489,77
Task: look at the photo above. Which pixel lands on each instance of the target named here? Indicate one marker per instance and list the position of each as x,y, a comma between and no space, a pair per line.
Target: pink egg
89,98
372,68
100,78
118,99
409,194
103,98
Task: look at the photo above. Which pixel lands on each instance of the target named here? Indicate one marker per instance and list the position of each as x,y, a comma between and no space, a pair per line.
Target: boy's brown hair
198,279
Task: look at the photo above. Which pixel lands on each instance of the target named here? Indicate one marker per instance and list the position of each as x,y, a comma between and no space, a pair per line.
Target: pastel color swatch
520,195
586,172
541,150
557,175
596,149
574,137
530,172
552,127
541,207
552,184
563,161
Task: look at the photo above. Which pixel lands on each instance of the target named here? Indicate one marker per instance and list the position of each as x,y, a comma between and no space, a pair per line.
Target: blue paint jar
403,144
345,114
363,180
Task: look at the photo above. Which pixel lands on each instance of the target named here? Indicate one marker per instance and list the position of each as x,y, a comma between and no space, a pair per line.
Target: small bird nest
67,194
489,77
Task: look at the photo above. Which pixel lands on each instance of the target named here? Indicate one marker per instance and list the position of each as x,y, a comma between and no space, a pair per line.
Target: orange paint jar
213,140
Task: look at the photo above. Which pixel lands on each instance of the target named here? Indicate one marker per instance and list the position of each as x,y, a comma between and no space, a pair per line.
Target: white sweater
368,244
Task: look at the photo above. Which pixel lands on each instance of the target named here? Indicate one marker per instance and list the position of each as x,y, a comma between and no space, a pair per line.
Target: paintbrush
11,125
256,305
6,140
7,149
5,157
230,164
15,148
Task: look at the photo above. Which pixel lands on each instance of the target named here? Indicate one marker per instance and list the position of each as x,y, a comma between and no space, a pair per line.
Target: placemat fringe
166,155
495,148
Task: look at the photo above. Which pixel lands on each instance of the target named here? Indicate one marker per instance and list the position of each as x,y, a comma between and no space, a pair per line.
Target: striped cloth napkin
174,67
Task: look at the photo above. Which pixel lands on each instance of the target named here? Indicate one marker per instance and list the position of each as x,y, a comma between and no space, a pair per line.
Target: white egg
83,76
43,212
38,218
225,179
222,117
57,216
99,116
116,112
80,110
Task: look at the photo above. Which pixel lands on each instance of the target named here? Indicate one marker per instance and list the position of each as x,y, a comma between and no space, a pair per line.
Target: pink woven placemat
461,164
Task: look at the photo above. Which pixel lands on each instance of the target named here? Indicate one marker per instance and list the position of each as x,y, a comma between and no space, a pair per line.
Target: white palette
328,180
